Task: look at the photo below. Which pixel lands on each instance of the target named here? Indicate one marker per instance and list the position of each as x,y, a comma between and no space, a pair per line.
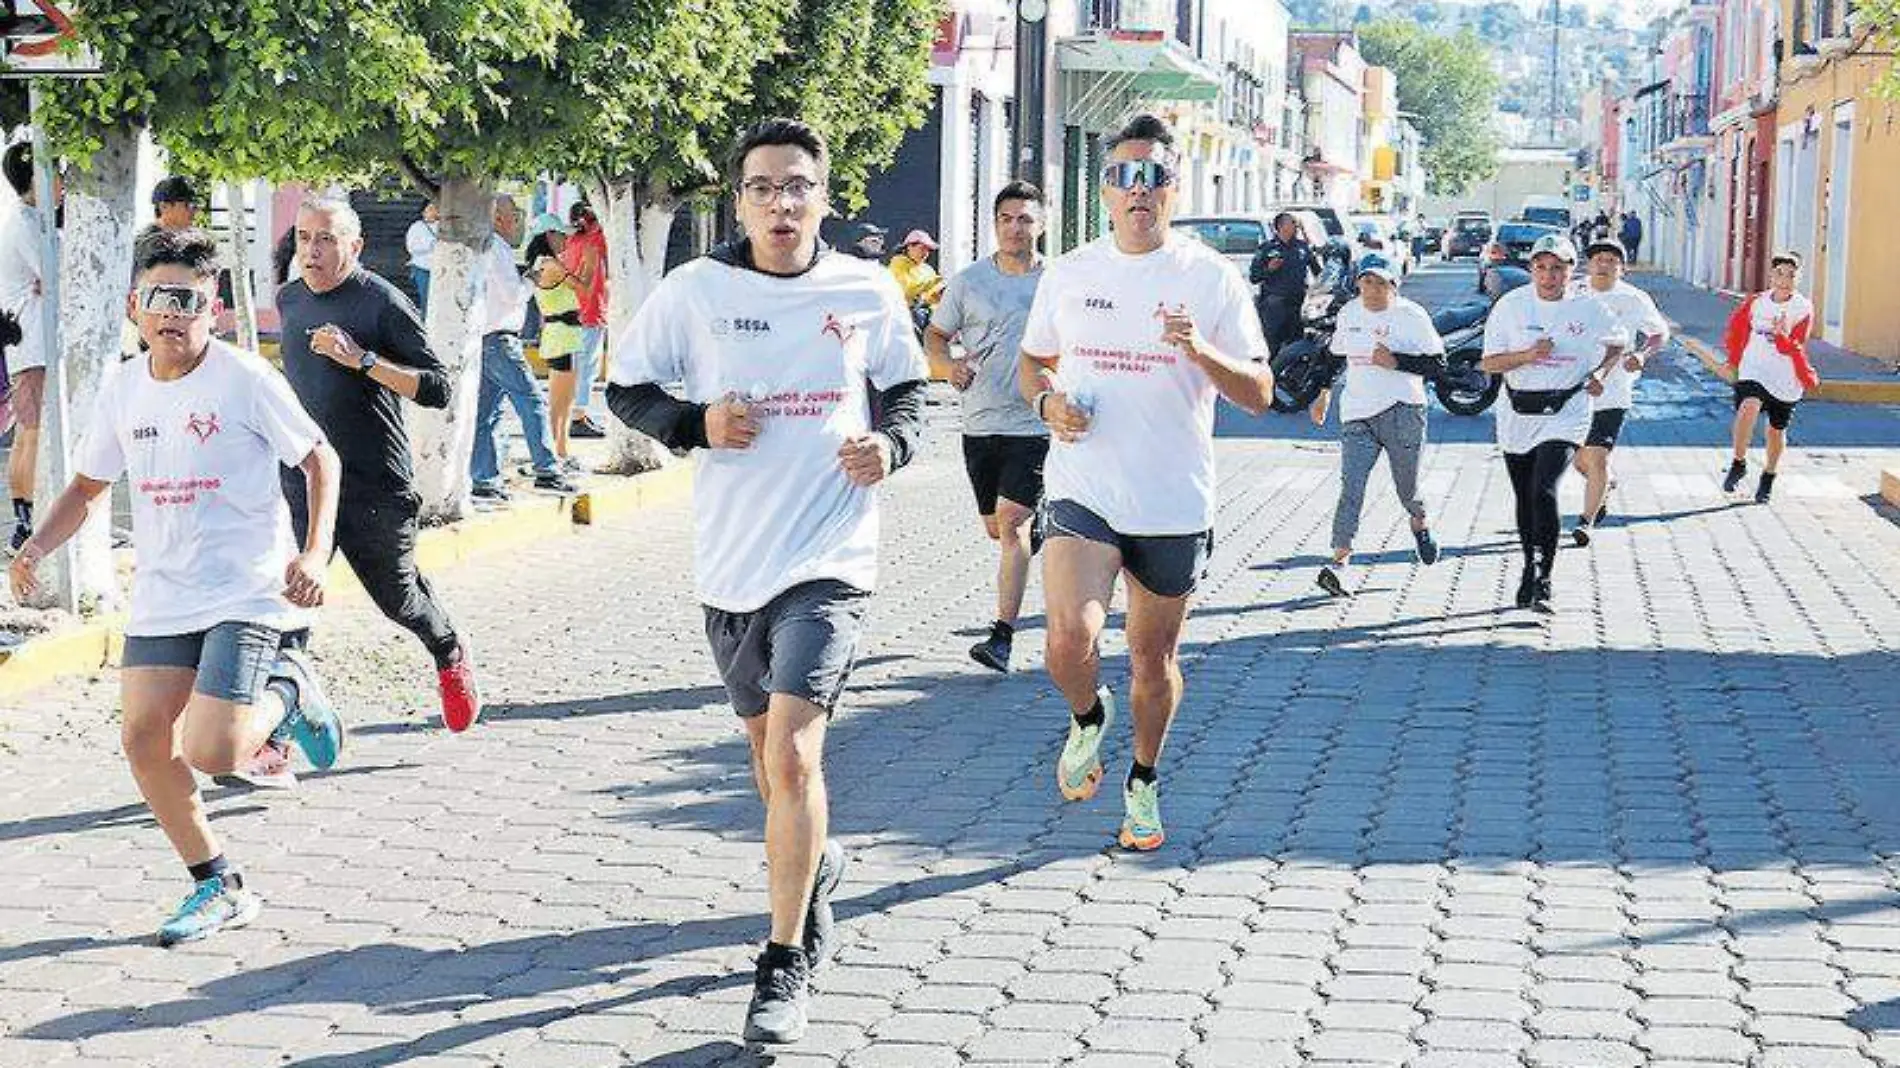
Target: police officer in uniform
1281,269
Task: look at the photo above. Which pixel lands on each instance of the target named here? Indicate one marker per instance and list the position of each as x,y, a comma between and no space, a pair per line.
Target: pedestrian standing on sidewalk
1767,344
505,374
1550,345
1281,269
354,351
777,341
420,242
1643,326
985,306
585,258
199,430
22,296
1632,235
1131,339
556,296
1390,347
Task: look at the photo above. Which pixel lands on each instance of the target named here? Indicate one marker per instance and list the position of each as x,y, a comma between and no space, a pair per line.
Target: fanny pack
1541,401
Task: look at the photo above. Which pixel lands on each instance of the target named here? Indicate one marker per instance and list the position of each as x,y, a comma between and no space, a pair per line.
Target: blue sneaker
212,906
312,723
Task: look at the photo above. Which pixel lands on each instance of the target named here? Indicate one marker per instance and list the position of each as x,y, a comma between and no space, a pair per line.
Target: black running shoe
781,988
1527,588
18,539
1329,581
993,651
1580,533
821,928
489,494
585,427
1765,487
1541,599
1427,546
556,482
1736,469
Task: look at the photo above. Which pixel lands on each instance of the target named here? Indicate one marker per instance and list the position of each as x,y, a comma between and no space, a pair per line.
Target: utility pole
1032,36
1556,30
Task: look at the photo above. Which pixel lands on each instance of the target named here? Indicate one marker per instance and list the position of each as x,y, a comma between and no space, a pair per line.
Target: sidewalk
1701,316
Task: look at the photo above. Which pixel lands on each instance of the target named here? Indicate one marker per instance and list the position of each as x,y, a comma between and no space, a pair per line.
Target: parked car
1239,236
1434,234
1512,247
1548,210
1467,234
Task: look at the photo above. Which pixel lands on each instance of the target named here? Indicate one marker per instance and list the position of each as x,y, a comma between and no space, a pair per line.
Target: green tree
1884,18
1449,84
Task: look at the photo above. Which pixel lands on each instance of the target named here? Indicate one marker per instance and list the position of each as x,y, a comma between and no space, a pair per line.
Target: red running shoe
461,697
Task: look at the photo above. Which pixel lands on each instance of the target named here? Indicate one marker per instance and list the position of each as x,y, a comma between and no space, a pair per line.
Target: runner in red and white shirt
1129,342
1768,362
199,429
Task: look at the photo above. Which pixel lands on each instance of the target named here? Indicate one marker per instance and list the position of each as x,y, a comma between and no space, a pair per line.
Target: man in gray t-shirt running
986,306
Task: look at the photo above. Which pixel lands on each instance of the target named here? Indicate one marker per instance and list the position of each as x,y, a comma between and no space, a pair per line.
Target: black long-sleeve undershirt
681,424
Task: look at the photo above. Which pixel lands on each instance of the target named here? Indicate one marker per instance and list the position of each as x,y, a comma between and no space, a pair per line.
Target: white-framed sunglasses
163,299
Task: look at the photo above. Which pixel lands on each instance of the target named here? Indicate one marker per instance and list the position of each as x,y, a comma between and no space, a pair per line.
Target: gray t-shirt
989,310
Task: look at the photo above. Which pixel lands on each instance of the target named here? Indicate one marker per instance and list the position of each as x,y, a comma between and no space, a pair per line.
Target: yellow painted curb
1851,391
97,643
1890,487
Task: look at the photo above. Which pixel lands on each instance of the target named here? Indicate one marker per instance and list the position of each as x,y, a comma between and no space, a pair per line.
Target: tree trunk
95,272
638,217
443,438
243,286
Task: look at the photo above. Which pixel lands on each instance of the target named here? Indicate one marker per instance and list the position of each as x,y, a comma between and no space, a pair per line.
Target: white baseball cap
1557,245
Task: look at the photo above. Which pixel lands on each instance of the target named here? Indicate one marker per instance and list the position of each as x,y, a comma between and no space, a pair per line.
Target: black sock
447,658
1139,772
1006,631
215,866
1094,717
783,951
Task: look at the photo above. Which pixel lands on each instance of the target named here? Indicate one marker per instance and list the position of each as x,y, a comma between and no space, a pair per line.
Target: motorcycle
1305,365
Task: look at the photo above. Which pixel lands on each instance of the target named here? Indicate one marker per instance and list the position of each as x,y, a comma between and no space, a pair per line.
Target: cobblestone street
1407,829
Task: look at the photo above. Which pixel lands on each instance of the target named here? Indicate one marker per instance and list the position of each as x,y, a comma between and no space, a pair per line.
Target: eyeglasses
764,191
159,299
1147,173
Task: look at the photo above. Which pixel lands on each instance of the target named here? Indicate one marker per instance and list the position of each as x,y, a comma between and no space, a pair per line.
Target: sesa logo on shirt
1098,304
742,329
203,426
144,433
1574,328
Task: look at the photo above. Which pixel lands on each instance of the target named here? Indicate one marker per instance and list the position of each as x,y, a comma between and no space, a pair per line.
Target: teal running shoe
1079,768
213,905
312,724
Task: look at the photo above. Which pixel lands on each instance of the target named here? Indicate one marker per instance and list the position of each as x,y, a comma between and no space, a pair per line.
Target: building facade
1332,81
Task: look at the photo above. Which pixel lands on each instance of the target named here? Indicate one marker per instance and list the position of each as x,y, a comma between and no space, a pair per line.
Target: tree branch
429,186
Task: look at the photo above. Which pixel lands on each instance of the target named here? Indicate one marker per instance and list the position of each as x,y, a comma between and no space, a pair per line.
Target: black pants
1534,478
376,532
1279,320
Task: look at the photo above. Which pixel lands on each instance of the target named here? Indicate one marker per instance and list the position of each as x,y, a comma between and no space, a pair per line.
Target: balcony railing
1688,116
1133,15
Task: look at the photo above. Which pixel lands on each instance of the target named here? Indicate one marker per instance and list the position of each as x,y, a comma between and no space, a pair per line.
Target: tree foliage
1448,82
1883,16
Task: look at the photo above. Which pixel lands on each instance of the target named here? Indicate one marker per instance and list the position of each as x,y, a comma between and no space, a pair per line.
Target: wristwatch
367,362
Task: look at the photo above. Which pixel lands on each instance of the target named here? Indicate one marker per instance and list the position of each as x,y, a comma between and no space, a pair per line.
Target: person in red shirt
585,259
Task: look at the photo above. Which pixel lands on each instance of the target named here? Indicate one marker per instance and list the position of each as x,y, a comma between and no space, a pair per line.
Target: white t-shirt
20,285
1402,327
420,241
210,531
505,291
1579,327
780,513
1635,313
1147,463
1761,360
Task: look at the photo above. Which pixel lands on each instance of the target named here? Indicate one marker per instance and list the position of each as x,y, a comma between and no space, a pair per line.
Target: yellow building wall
1871,320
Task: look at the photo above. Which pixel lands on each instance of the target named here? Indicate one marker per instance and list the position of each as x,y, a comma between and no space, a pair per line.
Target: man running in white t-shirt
772,342
1129,342
1767,342
1004,445
199,429
1645,328
1389,346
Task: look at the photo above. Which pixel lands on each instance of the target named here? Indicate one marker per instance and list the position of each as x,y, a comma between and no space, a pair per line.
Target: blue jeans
505,374
420,278
587,364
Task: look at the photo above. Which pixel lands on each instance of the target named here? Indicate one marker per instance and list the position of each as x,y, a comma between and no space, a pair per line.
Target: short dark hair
777,132
1143,127
175,190
191,247
1285,216
1018,190
1791,258
18,164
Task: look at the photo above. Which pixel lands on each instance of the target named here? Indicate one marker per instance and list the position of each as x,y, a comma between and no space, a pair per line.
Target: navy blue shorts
1166,565
233,660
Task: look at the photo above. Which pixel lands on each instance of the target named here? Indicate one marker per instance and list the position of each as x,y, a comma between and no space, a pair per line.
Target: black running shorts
1007,466
802,643
1167,565
1780,412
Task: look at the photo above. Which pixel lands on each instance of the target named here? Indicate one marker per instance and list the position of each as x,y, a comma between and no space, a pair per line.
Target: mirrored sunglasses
1148,173
161,299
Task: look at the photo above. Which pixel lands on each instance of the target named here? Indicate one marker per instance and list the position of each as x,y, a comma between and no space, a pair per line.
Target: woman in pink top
585,258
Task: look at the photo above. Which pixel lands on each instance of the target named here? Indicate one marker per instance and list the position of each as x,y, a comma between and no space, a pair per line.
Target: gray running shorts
1166,565
233,660
802,643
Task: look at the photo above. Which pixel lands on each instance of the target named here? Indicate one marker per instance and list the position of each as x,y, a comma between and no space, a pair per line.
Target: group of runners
1089,385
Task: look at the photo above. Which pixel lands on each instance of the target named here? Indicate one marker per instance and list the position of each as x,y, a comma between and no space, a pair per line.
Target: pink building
1743,121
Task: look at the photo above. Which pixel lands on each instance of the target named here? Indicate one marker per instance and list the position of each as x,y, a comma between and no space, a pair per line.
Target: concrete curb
1839,391
1890,487
97,643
